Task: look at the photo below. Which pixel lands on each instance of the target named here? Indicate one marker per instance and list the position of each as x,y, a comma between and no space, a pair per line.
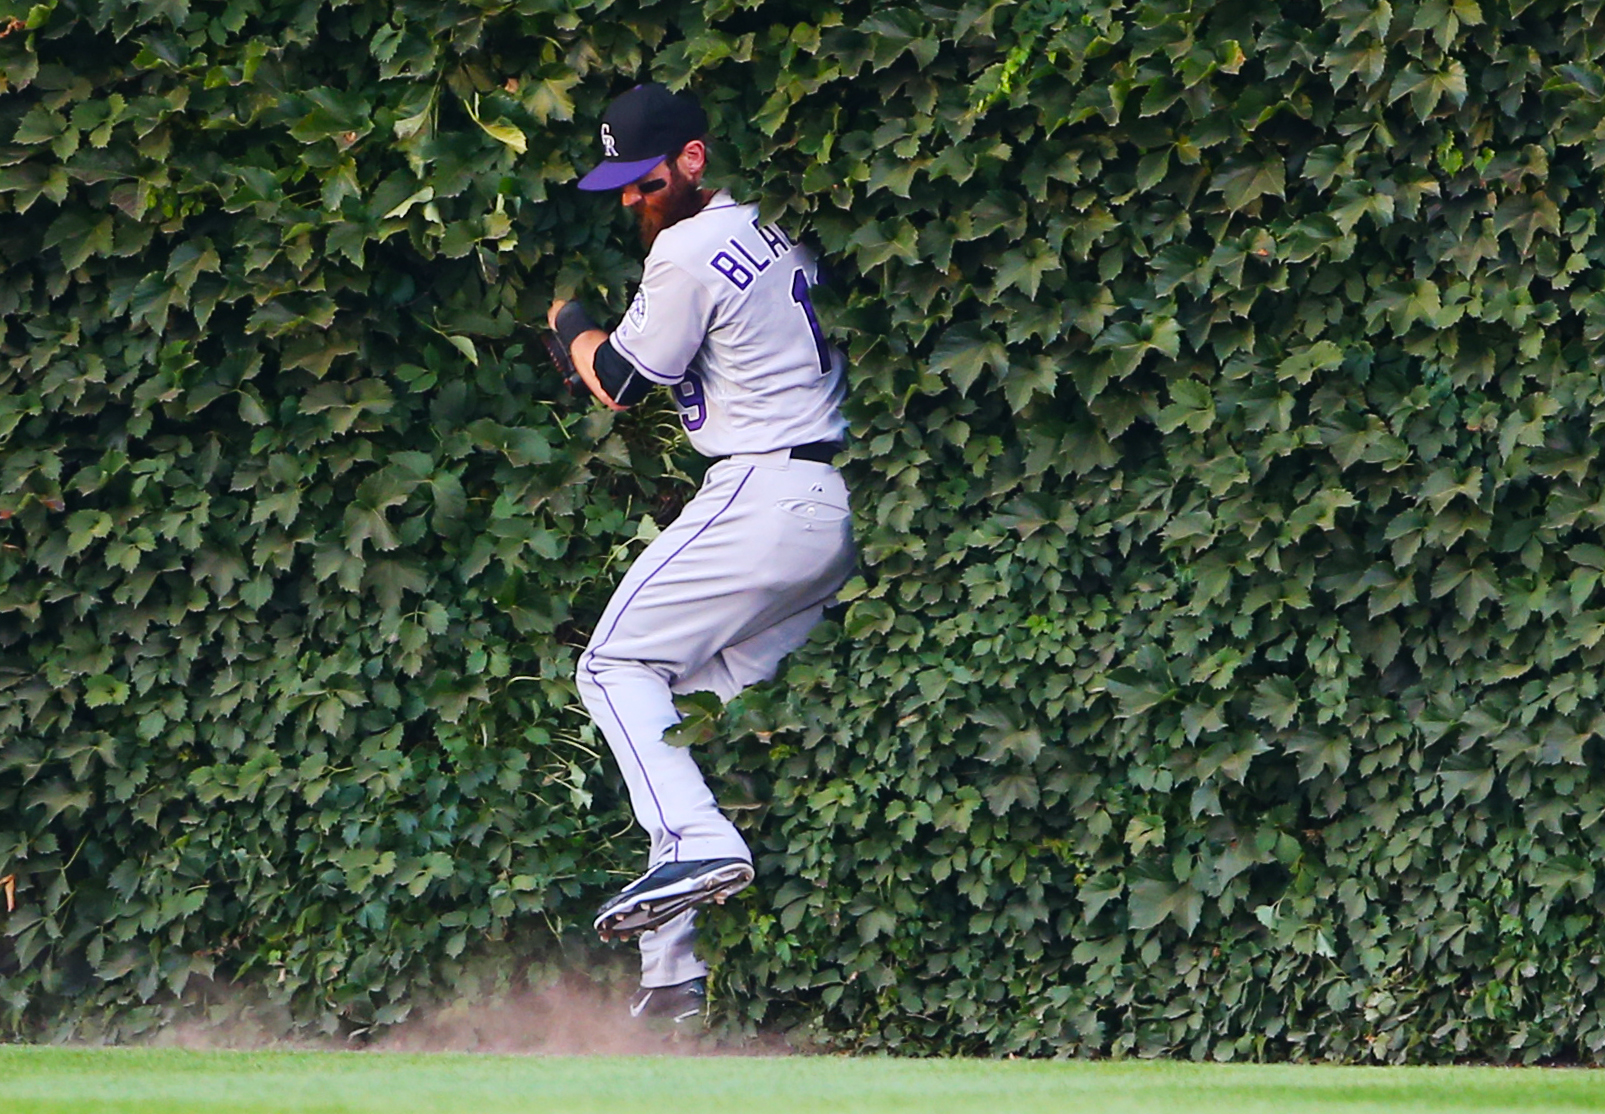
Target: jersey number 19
688,393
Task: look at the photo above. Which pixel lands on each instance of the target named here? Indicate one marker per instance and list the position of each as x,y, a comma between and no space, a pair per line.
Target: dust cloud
569,1016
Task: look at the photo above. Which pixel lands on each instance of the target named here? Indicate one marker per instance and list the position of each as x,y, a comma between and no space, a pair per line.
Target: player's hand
551,314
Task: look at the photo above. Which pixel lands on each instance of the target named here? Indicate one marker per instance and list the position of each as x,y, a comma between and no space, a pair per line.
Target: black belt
820,452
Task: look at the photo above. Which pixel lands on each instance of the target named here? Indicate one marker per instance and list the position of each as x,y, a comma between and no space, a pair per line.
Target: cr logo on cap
610,149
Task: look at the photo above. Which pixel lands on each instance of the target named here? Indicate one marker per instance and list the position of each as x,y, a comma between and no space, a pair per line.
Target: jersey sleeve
666,323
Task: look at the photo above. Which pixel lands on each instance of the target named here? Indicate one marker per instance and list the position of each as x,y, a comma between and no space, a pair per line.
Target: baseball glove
558,351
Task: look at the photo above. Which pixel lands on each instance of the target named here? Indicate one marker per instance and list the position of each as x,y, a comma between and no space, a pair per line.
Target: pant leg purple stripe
591,656
662,819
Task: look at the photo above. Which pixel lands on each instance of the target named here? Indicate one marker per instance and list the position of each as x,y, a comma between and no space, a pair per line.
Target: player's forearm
575,338
583,353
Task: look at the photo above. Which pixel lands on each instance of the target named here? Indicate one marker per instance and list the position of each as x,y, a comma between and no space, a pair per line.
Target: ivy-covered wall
1223,678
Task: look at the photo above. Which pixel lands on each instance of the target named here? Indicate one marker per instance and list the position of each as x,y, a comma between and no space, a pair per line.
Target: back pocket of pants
814,512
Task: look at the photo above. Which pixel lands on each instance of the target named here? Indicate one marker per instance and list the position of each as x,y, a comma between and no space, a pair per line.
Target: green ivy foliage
1223,675
298,547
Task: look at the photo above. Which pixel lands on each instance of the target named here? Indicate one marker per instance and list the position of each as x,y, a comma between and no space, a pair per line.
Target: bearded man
723,319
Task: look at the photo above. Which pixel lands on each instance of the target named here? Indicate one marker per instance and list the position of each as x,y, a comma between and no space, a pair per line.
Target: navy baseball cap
639,130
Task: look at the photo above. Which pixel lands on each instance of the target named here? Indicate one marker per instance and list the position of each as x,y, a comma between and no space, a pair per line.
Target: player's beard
680,199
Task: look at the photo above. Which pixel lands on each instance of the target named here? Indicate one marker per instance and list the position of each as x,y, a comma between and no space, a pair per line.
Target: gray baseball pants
712,604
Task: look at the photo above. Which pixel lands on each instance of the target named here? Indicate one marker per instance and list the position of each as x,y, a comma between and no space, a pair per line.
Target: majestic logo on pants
609,147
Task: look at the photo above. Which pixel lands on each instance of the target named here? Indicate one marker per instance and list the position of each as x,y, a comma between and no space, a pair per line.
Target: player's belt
820,452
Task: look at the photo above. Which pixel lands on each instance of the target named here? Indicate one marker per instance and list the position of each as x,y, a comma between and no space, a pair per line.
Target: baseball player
723,319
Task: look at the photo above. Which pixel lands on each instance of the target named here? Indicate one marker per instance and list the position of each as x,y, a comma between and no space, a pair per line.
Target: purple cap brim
617,175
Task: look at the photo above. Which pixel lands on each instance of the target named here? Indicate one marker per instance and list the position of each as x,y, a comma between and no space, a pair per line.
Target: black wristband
572,320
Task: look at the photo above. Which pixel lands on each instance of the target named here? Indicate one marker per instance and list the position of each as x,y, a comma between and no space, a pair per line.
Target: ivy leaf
340,114
1008,790
1127,342
1276,699
251,409
503,132
1156,900
1099,891
55,798
39,125
1318,753
1025,380
1467,778
85,527
103,689
1564,872
964,351
701,714
876,923
1323,355
403,207
875,243
1426,88
1023,268
1135,696
1243,181
551,99
1192,406
1005,739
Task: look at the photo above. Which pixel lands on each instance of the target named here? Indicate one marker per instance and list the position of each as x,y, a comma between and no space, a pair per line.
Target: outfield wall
1223,675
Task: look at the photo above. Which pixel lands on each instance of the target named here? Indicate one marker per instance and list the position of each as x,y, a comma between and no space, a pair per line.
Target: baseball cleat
666,891
681,1003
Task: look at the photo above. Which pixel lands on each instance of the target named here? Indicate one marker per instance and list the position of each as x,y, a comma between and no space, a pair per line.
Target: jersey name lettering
742,271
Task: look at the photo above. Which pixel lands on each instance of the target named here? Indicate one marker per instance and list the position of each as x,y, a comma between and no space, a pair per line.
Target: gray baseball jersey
723,318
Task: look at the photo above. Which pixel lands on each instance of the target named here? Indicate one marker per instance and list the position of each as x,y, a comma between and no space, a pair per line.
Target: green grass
149,1081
